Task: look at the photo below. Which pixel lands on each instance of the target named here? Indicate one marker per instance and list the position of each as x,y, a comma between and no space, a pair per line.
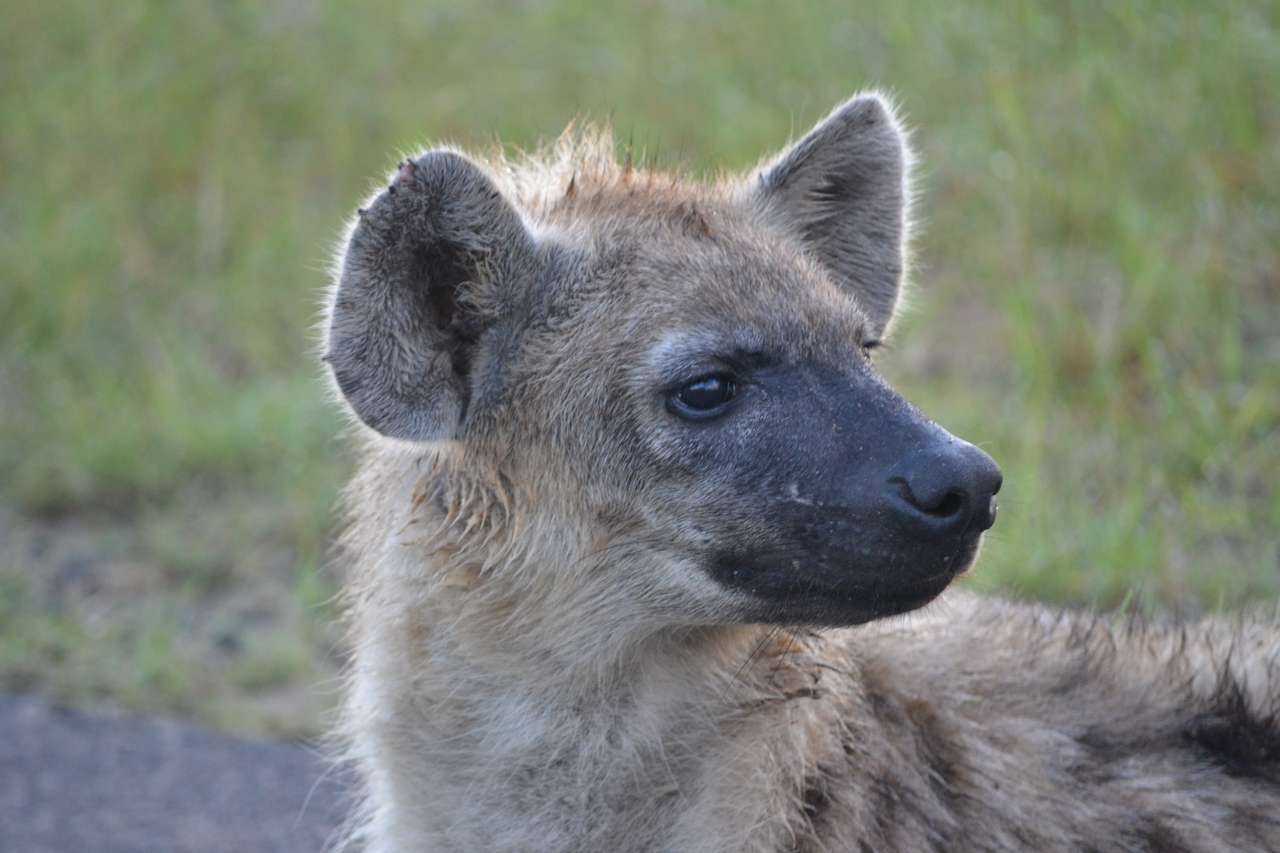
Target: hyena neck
474,707
462,751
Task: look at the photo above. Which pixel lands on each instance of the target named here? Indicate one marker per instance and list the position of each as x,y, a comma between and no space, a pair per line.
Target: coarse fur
584,619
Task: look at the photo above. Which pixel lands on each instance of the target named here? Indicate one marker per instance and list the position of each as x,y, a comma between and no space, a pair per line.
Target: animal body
636,522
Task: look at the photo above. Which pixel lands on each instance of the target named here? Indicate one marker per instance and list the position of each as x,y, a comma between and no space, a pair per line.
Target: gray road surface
77,782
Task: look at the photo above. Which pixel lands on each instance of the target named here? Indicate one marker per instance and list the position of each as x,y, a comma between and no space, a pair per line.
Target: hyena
634,511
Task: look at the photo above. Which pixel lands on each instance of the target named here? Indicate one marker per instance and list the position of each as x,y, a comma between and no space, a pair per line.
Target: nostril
942,505
952,503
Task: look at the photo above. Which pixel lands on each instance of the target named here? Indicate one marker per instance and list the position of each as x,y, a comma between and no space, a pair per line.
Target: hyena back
634,509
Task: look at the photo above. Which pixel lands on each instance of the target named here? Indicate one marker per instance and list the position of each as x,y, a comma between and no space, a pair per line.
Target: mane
581,173
581,157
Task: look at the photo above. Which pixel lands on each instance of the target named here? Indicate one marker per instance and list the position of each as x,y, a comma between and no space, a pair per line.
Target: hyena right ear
843,190
423,276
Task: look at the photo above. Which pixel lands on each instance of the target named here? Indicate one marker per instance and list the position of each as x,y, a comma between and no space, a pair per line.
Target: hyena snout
861,507
947,490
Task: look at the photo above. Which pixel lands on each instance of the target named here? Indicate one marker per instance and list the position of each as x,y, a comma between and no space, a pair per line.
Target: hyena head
672,376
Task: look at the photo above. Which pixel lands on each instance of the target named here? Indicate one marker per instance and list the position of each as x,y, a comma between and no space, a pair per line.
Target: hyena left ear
843,189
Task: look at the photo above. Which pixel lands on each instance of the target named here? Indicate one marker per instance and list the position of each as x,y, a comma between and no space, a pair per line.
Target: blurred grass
1098,298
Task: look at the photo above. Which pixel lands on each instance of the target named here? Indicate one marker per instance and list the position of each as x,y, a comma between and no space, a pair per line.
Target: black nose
947,489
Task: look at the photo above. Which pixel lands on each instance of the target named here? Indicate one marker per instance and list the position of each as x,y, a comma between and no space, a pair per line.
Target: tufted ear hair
422,277
843,190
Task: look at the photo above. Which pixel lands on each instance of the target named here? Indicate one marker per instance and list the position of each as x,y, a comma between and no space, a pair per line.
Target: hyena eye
703,398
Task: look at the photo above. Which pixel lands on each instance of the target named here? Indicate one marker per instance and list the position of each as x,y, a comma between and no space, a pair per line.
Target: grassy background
1098,286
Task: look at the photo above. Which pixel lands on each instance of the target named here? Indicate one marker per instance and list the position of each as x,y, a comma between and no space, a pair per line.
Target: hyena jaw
636,522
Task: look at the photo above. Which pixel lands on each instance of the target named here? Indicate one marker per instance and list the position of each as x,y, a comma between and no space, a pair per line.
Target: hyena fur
633,511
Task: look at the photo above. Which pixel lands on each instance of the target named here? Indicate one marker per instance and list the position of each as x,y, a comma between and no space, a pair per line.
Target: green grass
1098,283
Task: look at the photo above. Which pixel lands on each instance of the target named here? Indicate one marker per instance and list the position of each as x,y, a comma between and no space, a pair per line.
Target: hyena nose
946,490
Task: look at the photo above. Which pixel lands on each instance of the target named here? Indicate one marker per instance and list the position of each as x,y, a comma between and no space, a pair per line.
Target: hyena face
680,369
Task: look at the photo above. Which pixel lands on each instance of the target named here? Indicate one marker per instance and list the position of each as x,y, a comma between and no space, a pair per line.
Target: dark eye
703,398
868,347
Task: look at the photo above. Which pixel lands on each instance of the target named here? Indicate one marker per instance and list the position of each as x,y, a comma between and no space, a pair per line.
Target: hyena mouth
827,568
841,592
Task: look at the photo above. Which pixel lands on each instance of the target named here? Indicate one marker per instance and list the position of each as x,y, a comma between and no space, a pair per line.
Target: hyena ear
843,189
425,272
